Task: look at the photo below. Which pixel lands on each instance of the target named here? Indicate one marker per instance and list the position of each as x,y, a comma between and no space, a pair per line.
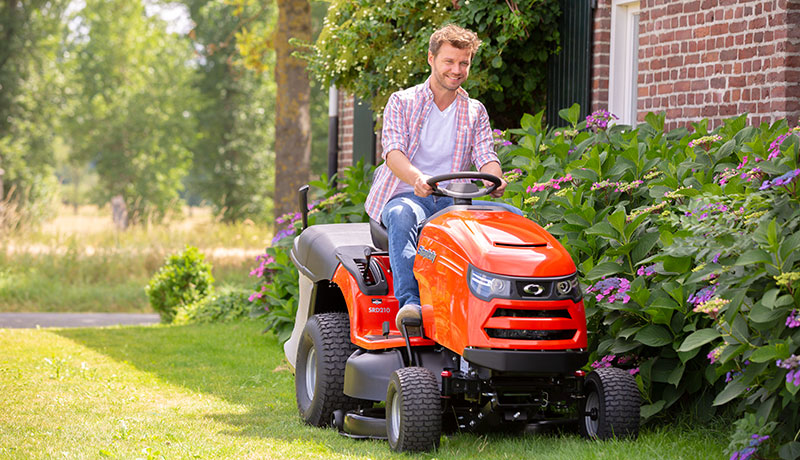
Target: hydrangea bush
276,284
686,242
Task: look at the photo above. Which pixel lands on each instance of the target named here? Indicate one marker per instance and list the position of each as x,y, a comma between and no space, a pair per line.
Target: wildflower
264,260
754,216
563,192
716,258
703,295
531,200
543,147
775,146
743,163
257,294
705,140
611,289
646,271
791,363
711,307
786,279
506,143
633,371
656,208
551,184
750,450
599,119
780,180
714,355
511,176
675,194
793,320
652,174
605,361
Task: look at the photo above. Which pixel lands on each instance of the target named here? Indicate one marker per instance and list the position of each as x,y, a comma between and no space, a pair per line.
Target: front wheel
413,410
611,407
319,377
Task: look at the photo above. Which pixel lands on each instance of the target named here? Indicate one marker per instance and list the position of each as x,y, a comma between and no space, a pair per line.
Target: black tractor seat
379,236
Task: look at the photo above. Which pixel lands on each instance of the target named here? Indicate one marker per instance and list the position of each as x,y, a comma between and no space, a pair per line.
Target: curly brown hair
456,36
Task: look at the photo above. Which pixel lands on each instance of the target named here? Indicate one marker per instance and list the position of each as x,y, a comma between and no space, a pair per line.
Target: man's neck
442,97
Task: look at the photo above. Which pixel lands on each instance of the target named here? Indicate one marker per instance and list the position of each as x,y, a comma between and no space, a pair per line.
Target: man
429,129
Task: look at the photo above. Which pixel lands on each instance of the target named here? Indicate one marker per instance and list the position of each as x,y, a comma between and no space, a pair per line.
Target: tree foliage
233,157
133,115
372,49
30,91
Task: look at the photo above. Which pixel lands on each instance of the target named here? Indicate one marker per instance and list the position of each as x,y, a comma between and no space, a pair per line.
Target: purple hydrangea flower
646,271
779,181
612,289
599,119
703,295
793,320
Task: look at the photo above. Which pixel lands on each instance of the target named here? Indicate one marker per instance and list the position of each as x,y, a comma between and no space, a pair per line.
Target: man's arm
493,168
408,173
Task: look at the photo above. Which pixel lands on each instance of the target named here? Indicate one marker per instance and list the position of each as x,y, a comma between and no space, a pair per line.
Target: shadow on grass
238,364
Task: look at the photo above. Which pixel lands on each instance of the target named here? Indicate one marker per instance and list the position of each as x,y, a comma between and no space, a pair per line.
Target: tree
292,120
134,105
233,159
372,49
30,94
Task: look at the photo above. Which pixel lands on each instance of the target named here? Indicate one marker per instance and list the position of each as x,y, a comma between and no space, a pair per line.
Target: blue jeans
402,216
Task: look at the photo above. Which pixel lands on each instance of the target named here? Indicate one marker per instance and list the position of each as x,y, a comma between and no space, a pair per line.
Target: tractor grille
525,313
531,334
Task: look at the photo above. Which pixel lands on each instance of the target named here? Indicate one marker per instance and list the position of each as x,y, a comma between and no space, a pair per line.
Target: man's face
450,66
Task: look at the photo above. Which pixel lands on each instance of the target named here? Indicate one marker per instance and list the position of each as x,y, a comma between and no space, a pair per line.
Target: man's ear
430,58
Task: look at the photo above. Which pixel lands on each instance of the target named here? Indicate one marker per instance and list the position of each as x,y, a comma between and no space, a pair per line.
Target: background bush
225,304
184,279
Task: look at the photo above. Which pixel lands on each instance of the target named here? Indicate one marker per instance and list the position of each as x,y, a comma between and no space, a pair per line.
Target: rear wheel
319,376
611,407
413,410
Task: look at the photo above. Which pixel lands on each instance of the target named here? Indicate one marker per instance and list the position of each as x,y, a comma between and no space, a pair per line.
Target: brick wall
601,46
345,131
710,59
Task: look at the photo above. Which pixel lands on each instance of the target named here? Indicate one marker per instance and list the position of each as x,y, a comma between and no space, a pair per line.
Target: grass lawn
223,391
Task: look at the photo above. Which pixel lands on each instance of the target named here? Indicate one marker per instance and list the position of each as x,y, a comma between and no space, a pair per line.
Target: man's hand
421,187
493,168
498,192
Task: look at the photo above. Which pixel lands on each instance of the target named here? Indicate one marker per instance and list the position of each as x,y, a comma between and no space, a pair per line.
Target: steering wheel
434,183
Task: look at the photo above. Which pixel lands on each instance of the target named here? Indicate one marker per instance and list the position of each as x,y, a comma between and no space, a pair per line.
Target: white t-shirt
437,143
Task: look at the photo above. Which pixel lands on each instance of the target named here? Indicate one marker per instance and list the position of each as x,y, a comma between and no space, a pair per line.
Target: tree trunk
292,118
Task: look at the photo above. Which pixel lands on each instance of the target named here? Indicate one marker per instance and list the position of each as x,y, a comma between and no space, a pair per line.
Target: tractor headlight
487,286
569,288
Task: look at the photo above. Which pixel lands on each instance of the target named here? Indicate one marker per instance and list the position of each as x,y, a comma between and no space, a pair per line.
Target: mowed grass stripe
222,391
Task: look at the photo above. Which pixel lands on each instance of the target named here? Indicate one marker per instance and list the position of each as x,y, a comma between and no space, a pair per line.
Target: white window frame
623,76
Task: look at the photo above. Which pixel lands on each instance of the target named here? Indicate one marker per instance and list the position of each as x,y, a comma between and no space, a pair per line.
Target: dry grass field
80,262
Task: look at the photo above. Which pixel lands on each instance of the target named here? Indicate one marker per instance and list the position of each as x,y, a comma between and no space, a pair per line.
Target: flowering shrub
276,289
687,246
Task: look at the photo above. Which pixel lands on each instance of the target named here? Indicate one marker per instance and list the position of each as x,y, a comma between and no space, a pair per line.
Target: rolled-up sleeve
393,134
483,142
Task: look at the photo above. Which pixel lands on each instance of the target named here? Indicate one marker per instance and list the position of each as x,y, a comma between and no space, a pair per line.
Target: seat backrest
380,239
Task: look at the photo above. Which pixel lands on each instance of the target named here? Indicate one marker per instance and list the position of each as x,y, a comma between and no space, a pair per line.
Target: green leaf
698,338
644,246
679,265
730,392
617,220
649,410
754,256
764,354
676,374
603,228
654,336
604,269
790,450
497,62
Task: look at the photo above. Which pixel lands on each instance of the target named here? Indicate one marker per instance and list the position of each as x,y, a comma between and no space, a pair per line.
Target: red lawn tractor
500,343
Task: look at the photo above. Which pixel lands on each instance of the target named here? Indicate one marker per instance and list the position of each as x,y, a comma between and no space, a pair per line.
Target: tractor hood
497,241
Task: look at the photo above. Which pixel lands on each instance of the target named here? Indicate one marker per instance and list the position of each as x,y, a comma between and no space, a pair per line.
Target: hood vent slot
520,245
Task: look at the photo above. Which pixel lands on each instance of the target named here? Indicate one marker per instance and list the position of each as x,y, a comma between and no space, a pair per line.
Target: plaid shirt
402,124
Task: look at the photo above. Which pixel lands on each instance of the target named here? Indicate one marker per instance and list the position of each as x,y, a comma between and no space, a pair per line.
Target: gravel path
32,320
